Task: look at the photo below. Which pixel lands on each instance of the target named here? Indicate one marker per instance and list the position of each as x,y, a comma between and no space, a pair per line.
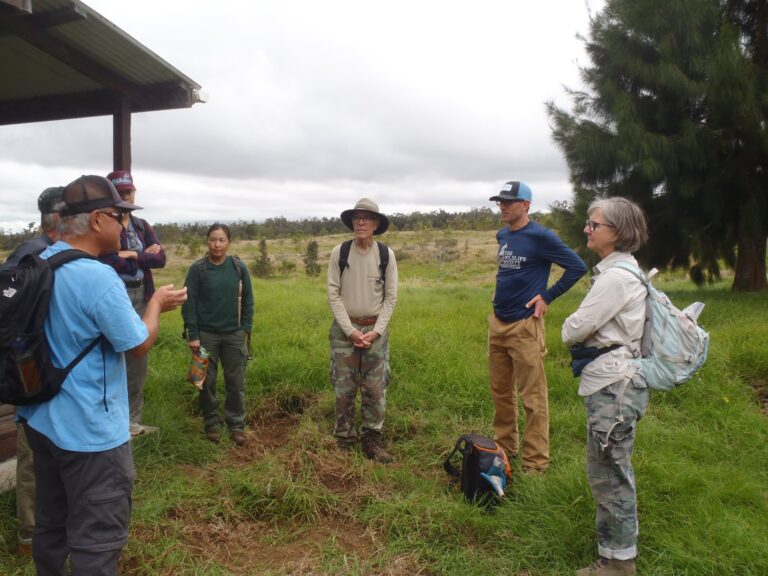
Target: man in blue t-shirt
516,343
82,460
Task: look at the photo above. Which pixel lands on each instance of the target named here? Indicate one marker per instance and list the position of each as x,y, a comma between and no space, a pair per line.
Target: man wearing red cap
140,251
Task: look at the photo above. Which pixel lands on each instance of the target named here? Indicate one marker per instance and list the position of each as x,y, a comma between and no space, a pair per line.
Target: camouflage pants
612,416
353,368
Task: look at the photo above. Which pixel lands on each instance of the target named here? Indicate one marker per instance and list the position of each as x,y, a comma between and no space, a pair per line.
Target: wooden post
121,135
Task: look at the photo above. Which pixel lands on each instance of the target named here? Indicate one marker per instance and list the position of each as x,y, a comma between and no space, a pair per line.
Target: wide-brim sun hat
366,205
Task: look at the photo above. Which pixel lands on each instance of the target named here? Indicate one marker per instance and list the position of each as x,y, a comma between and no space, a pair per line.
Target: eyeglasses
117,216
363,218
592,225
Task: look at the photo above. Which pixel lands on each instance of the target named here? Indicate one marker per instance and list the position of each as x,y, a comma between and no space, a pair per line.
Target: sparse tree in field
287,267
193,244
310,259
262,268
674,117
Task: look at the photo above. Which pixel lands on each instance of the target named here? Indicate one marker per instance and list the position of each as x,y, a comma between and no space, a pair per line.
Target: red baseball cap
122,180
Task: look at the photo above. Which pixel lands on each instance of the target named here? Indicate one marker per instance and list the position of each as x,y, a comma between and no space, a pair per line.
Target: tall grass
292,504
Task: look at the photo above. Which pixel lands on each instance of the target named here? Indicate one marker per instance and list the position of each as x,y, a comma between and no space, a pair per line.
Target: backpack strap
61,258
646,342
238,266
383,261
344,256
629,267
201,265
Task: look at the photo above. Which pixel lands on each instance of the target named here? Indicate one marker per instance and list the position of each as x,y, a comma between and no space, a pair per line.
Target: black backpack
27,375
484,469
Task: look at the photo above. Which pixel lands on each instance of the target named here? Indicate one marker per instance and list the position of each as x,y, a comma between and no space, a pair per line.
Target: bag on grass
27,374
673,346
484,468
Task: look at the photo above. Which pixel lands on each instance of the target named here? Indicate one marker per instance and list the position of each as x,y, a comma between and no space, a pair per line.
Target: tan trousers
516,353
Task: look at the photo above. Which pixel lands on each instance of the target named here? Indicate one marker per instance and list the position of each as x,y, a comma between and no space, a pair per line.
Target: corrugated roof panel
107,44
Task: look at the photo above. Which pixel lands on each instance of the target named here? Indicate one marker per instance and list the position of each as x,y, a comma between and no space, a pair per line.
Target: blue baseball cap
514,191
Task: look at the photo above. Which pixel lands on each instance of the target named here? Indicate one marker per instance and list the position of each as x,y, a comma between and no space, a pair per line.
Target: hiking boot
213,435
373,449
609,567
24,547
345,444
533,471
238,437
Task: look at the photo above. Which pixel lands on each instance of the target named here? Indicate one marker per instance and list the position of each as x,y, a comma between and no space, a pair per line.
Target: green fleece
212,296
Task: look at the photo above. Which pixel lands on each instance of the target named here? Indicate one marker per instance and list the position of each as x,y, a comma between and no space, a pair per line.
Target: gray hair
76,225
627,217
49,220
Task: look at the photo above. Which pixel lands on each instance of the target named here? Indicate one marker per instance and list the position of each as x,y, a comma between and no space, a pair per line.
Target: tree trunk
750,264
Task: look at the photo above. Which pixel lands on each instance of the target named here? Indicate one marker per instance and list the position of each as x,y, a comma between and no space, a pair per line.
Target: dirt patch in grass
761,390
245,547
243,544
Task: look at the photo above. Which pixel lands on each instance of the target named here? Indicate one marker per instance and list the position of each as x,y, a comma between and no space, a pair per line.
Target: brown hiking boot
373,449
213,435
609,567
238,437
345,444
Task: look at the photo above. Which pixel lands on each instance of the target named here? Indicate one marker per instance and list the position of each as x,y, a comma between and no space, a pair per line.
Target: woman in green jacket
218,316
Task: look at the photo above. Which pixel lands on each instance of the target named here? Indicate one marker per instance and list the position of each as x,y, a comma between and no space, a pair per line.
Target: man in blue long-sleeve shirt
516,343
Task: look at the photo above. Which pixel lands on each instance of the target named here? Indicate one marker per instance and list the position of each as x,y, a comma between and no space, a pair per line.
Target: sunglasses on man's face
118,216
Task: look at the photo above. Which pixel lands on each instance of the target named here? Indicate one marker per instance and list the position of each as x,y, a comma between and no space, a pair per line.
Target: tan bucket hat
366,205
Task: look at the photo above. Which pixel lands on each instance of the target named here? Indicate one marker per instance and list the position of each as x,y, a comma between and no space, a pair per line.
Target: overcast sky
419,105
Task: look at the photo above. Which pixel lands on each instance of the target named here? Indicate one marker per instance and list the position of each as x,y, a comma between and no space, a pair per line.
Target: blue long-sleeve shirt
525,260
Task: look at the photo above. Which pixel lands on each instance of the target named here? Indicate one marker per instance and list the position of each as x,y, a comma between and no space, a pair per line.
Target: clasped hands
364,341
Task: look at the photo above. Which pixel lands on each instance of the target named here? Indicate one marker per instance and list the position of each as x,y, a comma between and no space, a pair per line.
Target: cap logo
507,187
121,180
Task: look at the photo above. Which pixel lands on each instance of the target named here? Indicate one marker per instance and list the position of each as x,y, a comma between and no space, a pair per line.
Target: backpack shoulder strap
646,340
238,266
61,258
200,265
344,256
383,261
629,267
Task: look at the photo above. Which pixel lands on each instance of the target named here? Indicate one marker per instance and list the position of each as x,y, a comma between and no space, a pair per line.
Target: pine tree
262,268
674,117
310,258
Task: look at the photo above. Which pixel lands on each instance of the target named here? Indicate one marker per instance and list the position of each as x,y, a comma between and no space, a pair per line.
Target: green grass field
291,503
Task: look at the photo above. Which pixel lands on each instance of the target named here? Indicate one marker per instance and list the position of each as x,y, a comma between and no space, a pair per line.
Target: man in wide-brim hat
362,293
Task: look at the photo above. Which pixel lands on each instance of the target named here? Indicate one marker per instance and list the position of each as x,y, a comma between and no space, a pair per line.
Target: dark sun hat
89,193
366,205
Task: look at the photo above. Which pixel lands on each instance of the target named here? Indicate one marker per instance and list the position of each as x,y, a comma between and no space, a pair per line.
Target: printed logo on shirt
507,259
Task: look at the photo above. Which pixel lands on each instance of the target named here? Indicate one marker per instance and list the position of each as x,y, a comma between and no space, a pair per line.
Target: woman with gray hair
604,334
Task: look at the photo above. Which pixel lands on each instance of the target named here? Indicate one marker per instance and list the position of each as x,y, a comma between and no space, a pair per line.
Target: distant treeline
274,228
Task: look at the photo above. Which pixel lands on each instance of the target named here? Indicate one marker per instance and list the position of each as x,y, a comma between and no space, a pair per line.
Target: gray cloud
426,106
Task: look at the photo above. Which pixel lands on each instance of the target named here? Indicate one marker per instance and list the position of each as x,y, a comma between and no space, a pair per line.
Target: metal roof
61,59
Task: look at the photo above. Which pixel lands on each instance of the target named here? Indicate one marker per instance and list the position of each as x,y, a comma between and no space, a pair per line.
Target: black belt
134,283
